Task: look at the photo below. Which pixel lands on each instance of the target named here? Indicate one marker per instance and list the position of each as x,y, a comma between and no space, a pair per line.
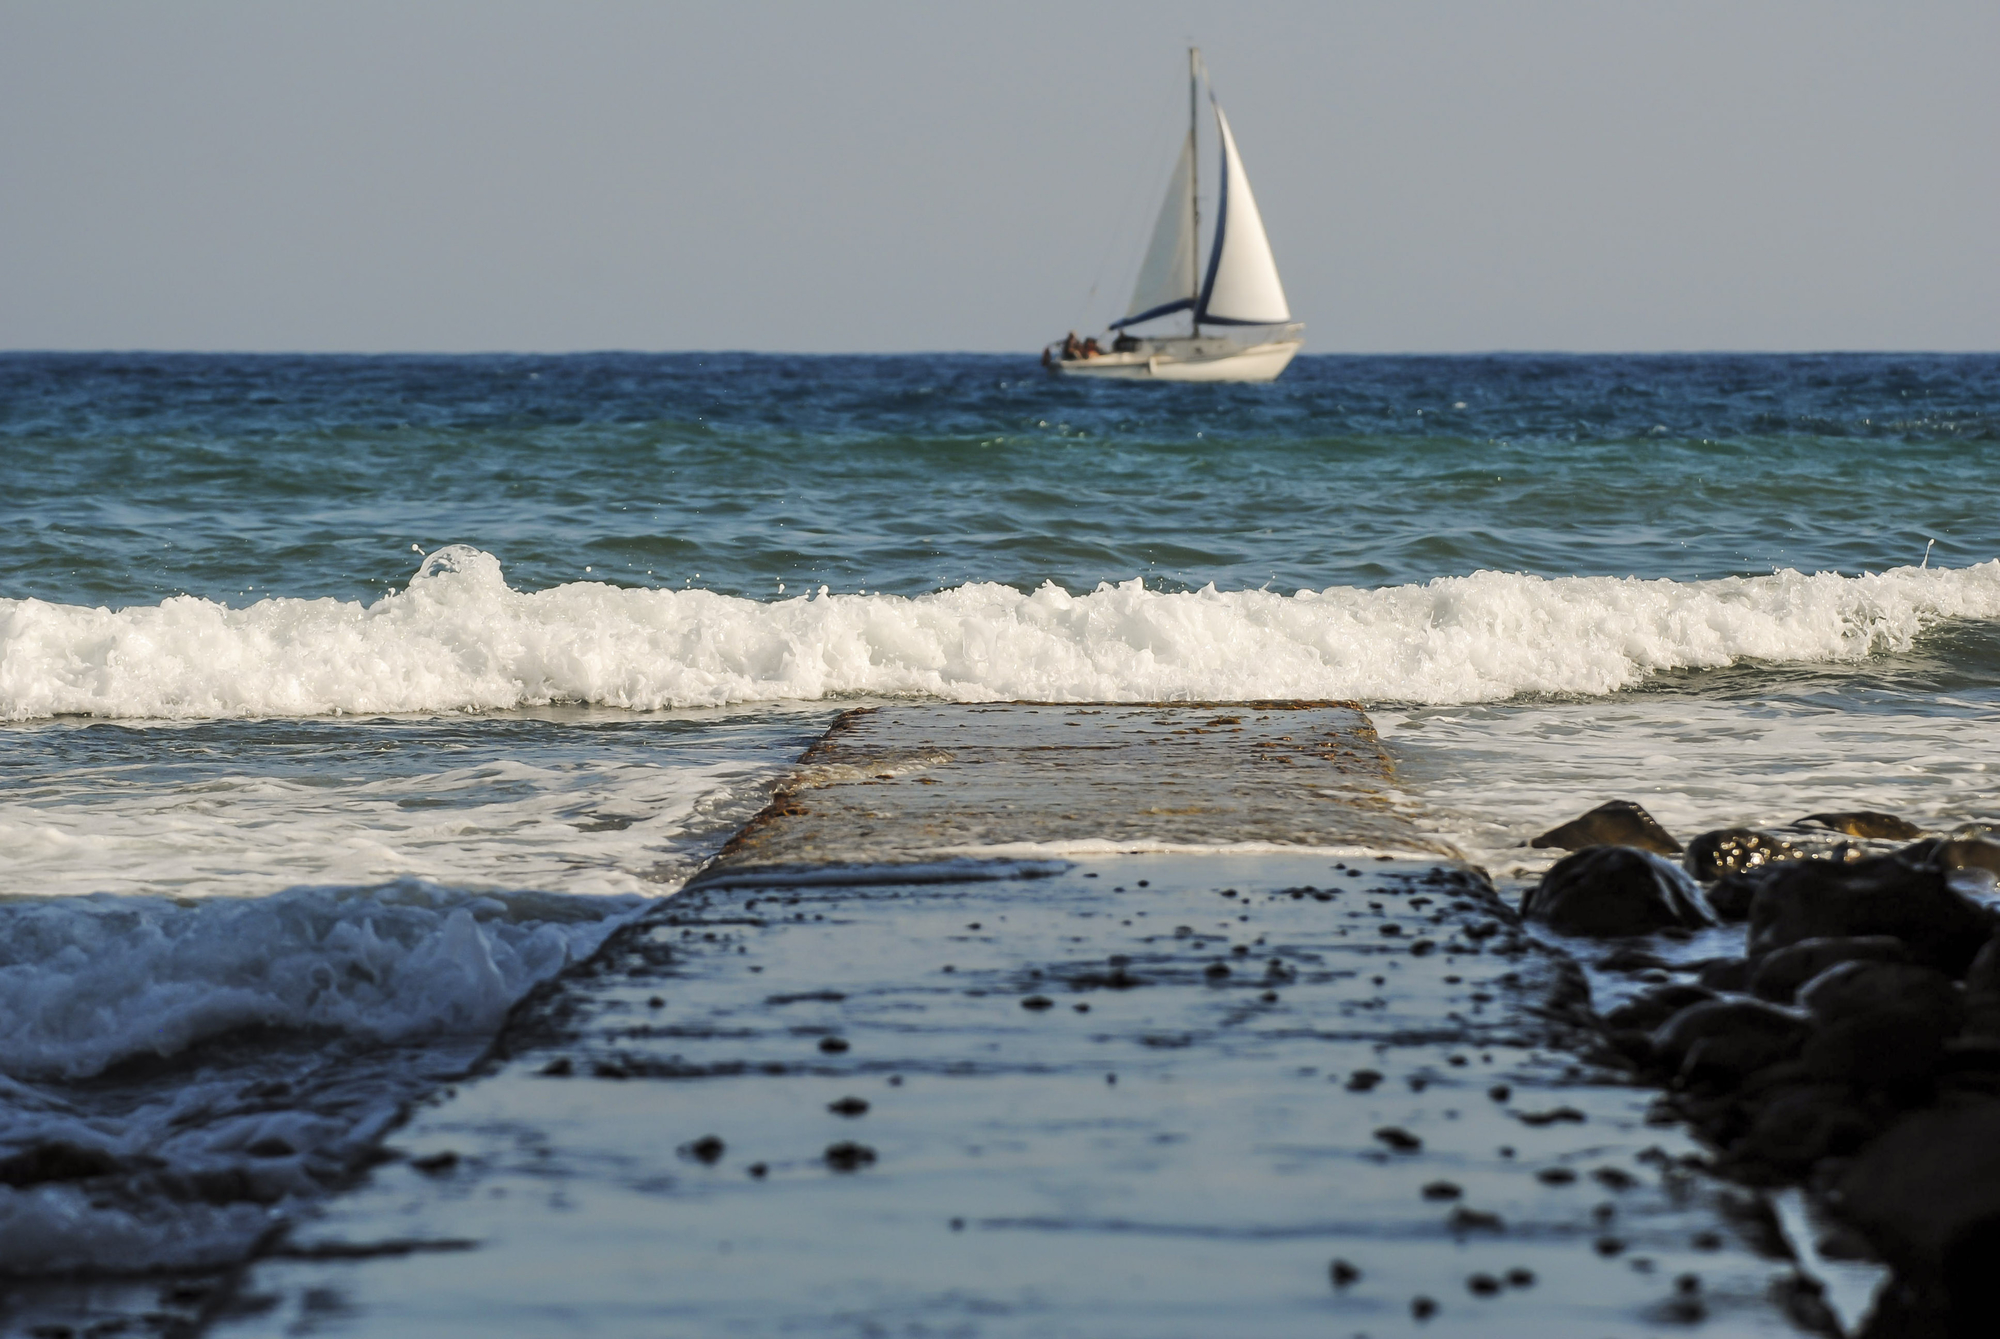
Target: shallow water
382,640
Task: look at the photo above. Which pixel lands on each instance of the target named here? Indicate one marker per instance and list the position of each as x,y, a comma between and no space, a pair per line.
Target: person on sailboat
1072,348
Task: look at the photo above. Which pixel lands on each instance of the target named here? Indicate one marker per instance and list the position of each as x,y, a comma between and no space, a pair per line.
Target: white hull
1187,359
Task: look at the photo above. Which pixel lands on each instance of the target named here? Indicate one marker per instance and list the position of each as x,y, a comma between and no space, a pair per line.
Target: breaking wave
459,638
88,981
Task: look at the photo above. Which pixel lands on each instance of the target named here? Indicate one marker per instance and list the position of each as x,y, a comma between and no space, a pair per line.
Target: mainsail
1166,279
1242,287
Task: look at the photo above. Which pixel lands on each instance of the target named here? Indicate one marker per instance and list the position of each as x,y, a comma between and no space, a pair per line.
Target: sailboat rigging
1239,290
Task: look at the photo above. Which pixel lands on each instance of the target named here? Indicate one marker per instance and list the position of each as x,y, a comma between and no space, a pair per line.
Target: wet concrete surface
1182,1140
935,784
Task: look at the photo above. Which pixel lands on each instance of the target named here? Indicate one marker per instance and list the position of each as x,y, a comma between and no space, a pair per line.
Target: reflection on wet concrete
1183,1141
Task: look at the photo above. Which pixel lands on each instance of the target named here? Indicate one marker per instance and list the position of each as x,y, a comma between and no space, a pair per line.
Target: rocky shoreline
1851,1048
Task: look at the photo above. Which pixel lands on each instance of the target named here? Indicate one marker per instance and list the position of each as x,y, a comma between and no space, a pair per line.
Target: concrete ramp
931,785
1029,1021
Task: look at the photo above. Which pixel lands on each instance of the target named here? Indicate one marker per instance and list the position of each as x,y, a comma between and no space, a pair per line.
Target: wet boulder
1613,823
1798,1124
1859,989
1866,824
1778,976
1954,853
1730,896
1982,992
1735,851
1721,1042
1725,974
1824,899
1614,891
1651,1008
1880,1025
1926,1194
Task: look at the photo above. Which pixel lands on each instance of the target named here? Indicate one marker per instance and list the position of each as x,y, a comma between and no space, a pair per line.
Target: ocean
342,699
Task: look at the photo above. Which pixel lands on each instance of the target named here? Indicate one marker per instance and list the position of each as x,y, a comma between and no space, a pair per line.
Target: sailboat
1250,334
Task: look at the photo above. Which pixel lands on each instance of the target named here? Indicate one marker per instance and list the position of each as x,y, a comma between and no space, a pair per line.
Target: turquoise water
131,478
350,696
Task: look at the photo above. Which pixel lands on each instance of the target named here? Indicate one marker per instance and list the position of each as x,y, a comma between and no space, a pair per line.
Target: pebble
847,1156
1399,1139
707,1150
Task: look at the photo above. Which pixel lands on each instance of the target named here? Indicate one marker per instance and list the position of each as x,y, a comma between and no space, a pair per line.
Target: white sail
1166,279
1242,286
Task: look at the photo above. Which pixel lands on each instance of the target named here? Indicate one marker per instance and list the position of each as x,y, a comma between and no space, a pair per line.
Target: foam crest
459,638
88,981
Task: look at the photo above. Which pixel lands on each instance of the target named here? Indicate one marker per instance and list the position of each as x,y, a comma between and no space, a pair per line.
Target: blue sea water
412,675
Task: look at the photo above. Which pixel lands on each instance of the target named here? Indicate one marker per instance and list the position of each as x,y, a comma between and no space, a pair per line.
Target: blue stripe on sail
1236,320
1178,304
1221,225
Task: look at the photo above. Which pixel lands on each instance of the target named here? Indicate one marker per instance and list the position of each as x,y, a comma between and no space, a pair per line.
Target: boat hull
1187,360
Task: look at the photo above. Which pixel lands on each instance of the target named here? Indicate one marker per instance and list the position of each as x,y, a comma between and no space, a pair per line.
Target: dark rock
1865,989
1037,1002
707,1150
1723,1041
55,1161
1399,1139
1954,853
559,1068
1982,991
1554,1116
1779,975
1973,1059
1556,1176
1651,1008
1731,895
1483,1285
1520,1278
1735,851
848,1106
1423,1308
1880,1024
1801,1125
1819,899
436,1164
1474,1220
847,1156
1342,1273
1926,1194
1443,1190
833,1045
759,1170
1362,1080
1868,824
1630,959
1613,823
1615,891
1725,974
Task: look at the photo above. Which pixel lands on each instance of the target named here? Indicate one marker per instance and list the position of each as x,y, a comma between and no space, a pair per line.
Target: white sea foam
397,989
88,981
460,639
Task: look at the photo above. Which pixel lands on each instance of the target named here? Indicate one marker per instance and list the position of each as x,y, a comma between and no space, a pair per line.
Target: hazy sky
871,176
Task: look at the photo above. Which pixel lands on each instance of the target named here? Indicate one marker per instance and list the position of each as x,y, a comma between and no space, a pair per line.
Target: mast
1194,188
